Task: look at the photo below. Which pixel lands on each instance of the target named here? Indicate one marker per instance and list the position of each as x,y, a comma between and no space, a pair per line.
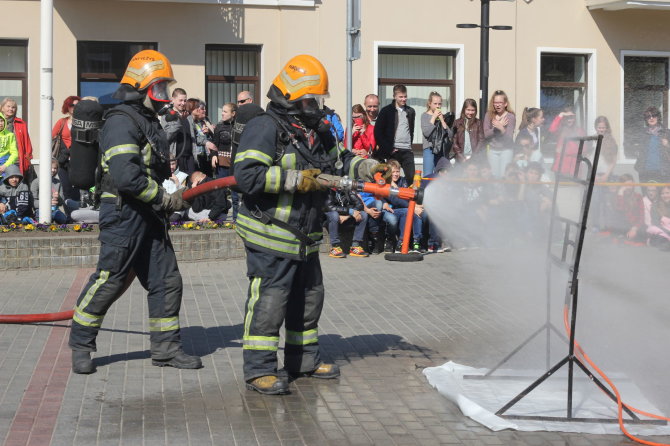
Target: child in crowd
537,199
176,181
381,214
627,219
399,207
342,208
16,203
470,208
9,153
525,152
436,241
212,205
660,219
57,199
656,235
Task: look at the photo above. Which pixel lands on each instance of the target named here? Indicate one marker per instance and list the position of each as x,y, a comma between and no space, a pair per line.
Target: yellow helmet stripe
293,85
140,73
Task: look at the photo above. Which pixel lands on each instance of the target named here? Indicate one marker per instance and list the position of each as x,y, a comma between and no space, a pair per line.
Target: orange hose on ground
620,403
66,315
30,318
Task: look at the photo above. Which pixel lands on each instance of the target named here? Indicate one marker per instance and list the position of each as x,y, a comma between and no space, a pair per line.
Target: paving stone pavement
382,323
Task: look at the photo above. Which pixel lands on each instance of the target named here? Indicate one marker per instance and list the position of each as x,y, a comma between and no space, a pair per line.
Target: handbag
59,150
440,140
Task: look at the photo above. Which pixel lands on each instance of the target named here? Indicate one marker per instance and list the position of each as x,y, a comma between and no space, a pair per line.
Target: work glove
173,202
369,167
302,181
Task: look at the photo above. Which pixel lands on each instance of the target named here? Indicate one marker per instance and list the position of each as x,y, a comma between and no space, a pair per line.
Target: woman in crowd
526,151
223,140
200,133
606,163
653,160
363,134
656,235
499,125
565,126
468,132
435,133
62,128
531,121
19,127
609,149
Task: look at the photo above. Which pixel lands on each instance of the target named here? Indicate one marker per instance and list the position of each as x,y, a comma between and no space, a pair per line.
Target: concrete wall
183,29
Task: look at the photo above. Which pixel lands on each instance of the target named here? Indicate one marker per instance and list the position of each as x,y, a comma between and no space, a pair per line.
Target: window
563,83
421,71
645,85
229,70
100,67
14,74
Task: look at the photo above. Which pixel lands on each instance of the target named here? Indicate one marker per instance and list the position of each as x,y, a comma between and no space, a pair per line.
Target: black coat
385,127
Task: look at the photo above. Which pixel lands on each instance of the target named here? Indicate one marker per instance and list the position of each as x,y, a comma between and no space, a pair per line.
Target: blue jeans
57,216
334,227
417,223
224,172
387,218
429,161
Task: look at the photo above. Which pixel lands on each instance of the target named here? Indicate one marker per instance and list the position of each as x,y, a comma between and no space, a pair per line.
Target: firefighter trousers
281,290
132,238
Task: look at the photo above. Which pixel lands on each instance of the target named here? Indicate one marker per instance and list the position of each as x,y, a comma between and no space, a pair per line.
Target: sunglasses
242,101
649,116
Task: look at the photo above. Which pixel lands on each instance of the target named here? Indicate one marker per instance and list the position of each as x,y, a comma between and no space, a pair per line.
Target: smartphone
358,121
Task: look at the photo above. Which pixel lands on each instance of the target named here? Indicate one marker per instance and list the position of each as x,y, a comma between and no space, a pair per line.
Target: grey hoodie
16,198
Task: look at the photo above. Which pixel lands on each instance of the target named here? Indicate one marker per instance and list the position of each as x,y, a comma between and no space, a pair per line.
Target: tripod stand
583,174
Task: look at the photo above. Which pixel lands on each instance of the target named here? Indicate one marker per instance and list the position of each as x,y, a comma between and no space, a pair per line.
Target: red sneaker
358,251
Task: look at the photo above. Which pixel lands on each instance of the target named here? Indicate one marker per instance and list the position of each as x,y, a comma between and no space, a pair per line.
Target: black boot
180,361
82,363
372,243
269,385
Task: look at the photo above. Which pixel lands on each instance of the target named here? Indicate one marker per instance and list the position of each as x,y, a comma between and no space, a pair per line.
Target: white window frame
459,67
459,70
591,81
622,55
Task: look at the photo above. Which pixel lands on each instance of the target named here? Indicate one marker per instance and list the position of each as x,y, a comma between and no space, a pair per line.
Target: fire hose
379,189
620,404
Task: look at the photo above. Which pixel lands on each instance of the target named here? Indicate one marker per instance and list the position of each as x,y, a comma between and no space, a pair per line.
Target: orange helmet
302,77
147,67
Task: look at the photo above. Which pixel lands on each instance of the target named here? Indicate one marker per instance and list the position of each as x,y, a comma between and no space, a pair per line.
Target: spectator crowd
498,186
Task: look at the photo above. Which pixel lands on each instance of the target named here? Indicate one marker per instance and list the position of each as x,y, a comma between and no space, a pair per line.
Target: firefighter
280,154
133,218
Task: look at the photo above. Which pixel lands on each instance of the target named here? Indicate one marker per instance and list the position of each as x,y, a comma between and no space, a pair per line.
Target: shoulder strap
60,132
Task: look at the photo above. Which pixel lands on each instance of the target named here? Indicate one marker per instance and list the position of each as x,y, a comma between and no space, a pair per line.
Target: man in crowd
244,97
133,219
280,223
179,133
394,132
372,107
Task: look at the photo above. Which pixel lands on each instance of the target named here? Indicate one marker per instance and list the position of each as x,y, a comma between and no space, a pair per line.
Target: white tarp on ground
479,399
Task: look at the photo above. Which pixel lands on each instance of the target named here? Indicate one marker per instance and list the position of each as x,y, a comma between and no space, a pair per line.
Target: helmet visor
158,91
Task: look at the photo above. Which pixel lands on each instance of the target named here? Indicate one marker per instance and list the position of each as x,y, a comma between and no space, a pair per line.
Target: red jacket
571,147
24,145
364,141
61,126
